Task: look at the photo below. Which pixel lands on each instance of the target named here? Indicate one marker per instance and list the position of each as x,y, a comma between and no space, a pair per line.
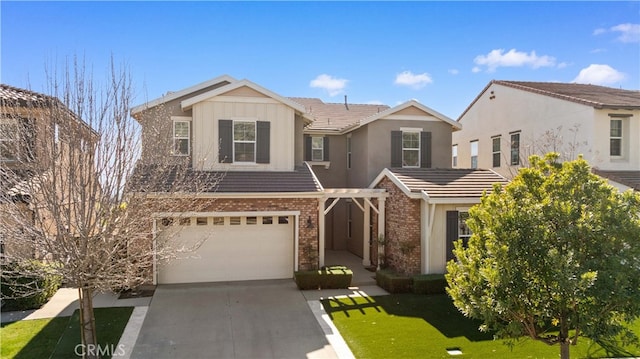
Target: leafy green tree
554,255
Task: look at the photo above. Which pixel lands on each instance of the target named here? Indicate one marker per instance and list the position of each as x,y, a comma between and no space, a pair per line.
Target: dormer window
181,137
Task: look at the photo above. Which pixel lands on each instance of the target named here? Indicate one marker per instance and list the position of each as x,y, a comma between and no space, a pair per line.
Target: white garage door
231,248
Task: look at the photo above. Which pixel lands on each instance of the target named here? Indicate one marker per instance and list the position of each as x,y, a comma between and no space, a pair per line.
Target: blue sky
439,53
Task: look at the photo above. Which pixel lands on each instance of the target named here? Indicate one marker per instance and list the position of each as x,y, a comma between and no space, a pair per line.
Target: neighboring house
511,120
37,132
291,177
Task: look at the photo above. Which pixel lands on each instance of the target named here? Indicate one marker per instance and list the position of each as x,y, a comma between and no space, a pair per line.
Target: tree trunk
87,325
564,338
564,349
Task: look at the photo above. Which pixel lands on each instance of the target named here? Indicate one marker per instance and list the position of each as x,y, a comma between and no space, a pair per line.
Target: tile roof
628,178
591,95
14,94
336,116
448,183
175,178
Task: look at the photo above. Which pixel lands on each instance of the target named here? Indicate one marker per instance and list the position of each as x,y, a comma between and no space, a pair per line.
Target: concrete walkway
65,302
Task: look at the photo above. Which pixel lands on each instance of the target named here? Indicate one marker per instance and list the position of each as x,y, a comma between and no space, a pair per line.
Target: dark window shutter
307,148
396,148
425,149
325,148
263,141
225,129
452,232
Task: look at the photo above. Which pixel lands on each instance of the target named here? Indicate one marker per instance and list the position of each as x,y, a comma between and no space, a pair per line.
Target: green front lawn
58,337
426,326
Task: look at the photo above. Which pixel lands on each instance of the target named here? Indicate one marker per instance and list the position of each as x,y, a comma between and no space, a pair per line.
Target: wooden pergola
366,194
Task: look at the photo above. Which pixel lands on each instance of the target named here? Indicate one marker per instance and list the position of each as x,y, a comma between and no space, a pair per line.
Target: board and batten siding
206,115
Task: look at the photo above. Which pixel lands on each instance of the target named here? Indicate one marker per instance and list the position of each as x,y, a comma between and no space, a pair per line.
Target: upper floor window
8,140
181,138
495,152
515,149
615,138
474,154
454,154
244,141
317,149
410,149
349,152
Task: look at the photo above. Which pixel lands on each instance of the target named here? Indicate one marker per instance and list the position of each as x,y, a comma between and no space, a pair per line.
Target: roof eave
174,95
188,103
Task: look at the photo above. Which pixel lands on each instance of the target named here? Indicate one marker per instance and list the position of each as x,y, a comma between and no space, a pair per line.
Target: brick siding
402,230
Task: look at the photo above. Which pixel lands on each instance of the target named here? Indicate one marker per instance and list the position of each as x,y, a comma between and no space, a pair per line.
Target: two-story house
38,137
511,120
292,177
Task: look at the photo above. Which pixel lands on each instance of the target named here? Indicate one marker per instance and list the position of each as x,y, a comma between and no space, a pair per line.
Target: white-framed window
495,150
464,232
181,138
615,138
317,149
474,154
349,152
410,149
8,140
244,141
454,155
515,149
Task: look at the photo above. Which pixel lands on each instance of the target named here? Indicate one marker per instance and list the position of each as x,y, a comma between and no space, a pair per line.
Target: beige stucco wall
546,124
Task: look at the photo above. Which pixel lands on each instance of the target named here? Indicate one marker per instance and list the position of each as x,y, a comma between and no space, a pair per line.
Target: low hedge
336,277
393,282
429,284
23,290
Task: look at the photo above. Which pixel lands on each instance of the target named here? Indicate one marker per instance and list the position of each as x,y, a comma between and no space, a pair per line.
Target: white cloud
414,81
513,58
599,31
476,69
329,83
599,75
628,32
454,71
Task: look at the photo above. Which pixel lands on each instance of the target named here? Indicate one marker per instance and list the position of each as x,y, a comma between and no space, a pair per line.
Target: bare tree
564,142
66,199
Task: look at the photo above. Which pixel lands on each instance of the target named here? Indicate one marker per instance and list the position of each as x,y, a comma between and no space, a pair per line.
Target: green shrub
393,282
336,277
23,289
429,284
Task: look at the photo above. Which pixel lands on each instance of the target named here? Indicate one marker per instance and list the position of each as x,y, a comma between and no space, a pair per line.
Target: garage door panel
230,252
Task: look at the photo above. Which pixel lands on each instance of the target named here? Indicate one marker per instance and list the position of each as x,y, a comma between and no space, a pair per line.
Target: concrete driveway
262,319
